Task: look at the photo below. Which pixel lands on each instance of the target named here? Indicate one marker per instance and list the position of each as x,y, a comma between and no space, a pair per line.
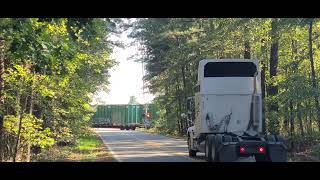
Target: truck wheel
127,128
192,153
211,147
208,148
133,128
121,128
217,141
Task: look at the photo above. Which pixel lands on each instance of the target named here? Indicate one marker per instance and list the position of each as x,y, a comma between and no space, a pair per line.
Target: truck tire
133,128
127,127
216,144
192,153
121,128
210,147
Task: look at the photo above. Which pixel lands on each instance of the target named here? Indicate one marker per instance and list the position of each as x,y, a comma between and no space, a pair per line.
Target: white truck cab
225,115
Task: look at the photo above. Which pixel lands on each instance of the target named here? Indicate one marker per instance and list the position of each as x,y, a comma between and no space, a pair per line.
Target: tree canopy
287,49
50,68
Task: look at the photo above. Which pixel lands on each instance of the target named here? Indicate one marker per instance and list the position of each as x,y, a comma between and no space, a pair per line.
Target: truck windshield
230,69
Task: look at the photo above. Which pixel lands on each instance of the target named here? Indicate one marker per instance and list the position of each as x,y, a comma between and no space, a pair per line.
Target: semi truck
225,114
124,116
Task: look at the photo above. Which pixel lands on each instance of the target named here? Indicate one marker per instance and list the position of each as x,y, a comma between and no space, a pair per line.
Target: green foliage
31,130
52,68
88,143
316,152
173,47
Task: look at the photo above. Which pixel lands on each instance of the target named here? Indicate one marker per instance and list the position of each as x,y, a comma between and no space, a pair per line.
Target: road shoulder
86,149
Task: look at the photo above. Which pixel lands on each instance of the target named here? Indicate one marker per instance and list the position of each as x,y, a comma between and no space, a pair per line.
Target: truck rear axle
227,148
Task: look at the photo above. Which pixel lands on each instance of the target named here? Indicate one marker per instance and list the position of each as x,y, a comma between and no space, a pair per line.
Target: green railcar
125,116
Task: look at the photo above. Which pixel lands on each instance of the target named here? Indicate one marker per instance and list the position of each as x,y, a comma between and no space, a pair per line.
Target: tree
133,100
313,75
272,88
52,66
285,48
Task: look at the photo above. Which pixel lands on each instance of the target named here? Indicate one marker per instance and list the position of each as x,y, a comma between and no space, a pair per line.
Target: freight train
124,116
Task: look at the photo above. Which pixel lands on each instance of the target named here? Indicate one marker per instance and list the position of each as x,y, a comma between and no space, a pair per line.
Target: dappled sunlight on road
135,146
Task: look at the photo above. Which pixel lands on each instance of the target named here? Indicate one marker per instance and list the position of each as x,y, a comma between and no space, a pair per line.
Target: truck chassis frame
228,147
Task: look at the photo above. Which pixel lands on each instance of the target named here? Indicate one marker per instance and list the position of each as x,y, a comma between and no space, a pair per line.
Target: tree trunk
1,100
273,89
247,52
1,138
2,69
30,112
286,118
310,120
1,78
179,110
308,111
300,119
313,74
184,95
19,115
166,105
263,84
294,68
291,118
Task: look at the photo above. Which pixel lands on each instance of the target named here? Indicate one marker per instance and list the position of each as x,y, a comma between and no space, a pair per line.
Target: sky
126,77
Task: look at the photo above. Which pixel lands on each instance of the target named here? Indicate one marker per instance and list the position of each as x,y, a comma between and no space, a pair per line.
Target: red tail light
242,149
261,149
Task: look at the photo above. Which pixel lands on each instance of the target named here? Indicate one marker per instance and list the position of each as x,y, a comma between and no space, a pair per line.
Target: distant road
135,146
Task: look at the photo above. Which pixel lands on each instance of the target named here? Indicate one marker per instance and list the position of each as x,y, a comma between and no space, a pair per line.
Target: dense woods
51,67
49,70
287,49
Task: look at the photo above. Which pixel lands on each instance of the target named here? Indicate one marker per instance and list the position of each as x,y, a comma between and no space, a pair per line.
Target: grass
88,143
311,154
86,149
316,151
304,148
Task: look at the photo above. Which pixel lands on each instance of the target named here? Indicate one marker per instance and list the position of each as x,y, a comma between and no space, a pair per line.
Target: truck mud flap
228,153
277,153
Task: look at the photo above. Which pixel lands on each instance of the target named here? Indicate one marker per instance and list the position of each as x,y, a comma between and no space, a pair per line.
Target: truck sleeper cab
226,113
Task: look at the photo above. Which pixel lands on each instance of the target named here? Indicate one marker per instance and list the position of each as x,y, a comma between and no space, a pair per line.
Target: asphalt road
135,146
